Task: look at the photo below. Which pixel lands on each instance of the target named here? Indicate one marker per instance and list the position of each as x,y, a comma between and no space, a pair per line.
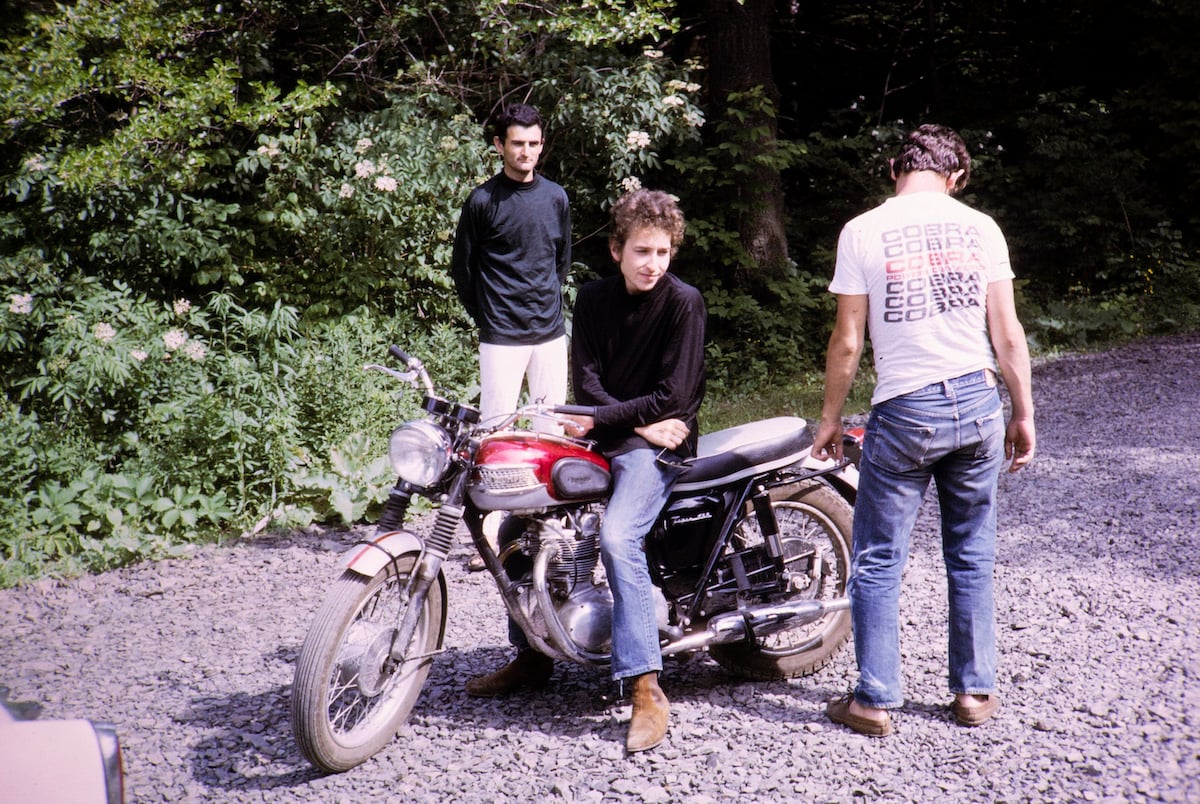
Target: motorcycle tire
810,514
349,697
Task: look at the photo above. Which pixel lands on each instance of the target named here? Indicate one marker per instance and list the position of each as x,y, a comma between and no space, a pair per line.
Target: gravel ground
1097,600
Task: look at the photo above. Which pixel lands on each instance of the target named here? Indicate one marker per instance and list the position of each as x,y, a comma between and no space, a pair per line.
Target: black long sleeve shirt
639,359
512,251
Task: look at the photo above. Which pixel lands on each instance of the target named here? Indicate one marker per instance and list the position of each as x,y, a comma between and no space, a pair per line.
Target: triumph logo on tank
932,269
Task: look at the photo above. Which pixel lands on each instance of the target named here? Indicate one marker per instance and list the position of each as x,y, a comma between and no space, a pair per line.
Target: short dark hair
646,208
936,148
514,114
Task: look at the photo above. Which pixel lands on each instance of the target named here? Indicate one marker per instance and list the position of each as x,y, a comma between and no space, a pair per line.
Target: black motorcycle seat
748,449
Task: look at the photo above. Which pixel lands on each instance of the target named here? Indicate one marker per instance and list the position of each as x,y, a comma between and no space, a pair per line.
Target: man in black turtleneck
512,251
637,354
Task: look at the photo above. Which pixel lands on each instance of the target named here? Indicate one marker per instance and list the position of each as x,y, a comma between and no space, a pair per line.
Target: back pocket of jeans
991,434
896,447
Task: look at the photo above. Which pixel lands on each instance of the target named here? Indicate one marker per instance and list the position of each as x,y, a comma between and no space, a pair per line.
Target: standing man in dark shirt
638,360
512,251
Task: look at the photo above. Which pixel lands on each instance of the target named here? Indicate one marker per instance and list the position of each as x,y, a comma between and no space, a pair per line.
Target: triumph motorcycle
749,558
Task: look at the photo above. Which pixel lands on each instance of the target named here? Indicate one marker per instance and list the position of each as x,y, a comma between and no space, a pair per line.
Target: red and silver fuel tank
524,471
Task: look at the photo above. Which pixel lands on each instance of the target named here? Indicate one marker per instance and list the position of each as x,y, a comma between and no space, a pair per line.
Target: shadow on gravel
579,700
248,738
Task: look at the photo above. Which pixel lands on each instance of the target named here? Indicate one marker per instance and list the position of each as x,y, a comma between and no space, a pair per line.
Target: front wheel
815,525
349,696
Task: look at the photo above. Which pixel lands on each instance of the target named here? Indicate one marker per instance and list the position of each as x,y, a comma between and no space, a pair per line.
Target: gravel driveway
1098,600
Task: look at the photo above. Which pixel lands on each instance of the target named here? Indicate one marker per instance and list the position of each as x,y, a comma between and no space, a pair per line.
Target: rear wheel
349,696
815,525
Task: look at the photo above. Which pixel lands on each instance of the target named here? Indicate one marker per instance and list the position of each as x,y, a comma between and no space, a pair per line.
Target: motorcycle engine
578,543
574,575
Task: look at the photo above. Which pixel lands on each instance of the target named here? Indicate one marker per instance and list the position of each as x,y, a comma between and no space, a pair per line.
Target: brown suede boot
648,726
529,669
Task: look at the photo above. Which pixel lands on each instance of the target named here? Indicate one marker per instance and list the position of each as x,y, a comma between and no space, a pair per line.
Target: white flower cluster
363,145
20,303
174,338
637,140
675,85
195,350
365,170
181,307
631,183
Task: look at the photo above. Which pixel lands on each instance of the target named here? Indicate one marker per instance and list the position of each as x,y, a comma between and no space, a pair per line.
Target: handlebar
401,355
415,370
574,410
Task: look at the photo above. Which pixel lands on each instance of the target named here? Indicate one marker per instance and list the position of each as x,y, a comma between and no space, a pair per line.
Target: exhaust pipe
738,626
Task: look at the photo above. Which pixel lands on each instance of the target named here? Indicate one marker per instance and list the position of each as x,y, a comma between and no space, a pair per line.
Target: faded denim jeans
641,486
950,432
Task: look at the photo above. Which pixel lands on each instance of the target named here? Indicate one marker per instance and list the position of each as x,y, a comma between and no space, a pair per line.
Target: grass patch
802,397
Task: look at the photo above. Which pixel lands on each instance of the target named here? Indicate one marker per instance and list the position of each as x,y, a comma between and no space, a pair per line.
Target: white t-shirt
924,260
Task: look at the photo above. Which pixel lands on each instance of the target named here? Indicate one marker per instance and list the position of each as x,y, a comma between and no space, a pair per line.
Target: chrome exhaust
757,621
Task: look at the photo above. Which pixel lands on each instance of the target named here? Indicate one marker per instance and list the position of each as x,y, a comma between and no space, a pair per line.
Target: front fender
368,558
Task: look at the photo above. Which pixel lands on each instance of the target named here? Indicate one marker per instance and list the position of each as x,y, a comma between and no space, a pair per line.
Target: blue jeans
952,432
641,486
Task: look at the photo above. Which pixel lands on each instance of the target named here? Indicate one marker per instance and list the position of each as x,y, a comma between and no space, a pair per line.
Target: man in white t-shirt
929,278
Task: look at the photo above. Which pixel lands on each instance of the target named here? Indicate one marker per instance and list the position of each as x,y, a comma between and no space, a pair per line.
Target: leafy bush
140,426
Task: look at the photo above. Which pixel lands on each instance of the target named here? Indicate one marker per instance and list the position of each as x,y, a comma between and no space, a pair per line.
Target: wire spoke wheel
815,525
350,695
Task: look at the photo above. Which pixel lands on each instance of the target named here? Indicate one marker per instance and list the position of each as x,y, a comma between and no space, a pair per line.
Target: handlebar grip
576,410
401,355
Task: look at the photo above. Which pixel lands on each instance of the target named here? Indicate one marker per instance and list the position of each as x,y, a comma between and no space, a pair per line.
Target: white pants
502,369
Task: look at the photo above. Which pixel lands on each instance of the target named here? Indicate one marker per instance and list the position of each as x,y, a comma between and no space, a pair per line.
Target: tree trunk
739,45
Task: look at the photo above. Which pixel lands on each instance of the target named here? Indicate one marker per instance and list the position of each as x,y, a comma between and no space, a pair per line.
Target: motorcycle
749,557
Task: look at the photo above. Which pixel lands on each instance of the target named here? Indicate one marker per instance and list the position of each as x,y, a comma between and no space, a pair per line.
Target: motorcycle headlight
419,452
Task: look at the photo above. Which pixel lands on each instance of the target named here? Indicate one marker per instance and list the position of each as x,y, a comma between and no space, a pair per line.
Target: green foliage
121,132
763,327
610,124
172,423
211,216
366,214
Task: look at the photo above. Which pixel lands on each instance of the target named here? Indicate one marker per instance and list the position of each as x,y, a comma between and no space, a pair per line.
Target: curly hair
937,148
646,209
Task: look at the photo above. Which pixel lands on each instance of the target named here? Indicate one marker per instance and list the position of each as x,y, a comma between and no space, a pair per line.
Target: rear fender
844,480
369,557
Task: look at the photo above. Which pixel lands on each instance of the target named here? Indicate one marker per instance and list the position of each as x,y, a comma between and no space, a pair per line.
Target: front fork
437,546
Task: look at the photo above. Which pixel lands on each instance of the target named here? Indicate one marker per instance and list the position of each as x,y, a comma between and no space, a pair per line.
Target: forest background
212,214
